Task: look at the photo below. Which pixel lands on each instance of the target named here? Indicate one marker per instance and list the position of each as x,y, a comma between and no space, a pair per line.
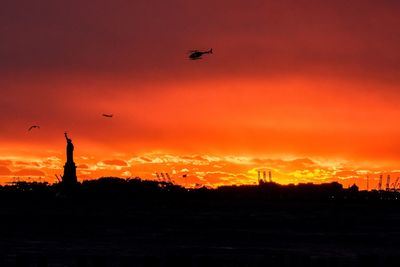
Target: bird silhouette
33,126
108,115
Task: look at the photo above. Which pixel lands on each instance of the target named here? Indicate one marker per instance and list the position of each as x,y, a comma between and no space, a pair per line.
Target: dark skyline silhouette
125,222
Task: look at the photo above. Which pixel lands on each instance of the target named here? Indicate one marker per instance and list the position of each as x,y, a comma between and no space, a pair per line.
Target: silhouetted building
353,188
69,177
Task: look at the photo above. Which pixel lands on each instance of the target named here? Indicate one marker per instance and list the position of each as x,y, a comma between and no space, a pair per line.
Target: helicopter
196,54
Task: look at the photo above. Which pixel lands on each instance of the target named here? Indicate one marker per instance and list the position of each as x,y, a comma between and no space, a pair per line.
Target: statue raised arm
66,136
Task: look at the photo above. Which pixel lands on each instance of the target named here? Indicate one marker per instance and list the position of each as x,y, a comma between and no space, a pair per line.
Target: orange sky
307,89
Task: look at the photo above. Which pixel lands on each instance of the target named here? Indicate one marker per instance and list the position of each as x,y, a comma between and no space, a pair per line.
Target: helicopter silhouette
108,115
196,54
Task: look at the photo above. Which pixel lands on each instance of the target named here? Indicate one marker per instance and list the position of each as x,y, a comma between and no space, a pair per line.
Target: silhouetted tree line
152,223
113,188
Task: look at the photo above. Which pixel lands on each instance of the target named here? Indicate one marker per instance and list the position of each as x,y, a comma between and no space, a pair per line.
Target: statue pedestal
69,177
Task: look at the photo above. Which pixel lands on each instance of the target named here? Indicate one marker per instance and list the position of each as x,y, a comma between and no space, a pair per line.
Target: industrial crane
380,183
388,183
394,185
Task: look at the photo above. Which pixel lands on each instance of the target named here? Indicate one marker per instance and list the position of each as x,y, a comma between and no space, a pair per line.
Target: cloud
210,170
4,171
83,166
29,172
24,163
115,162
5,162
216,178
52,163
126,174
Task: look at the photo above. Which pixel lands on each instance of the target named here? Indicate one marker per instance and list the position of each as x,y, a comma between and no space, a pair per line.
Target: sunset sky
306,89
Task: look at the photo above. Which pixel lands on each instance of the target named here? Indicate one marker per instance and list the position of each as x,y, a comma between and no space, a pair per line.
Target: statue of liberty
70,149
69,177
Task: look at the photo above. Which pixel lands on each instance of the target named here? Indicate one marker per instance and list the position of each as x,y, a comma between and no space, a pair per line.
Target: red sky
307,89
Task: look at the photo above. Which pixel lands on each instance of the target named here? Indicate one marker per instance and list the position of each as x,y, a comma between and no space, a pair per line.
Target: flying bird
196,54
108,115
33,126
